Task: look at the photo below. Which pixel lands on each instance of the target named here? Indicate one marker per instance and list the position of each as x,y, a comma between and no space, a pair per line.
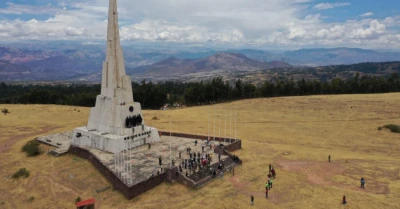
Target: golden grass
307,128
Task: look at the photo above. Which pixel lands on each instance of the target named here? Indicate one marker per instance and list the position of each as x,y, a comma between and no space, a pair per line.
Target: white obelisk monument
116,118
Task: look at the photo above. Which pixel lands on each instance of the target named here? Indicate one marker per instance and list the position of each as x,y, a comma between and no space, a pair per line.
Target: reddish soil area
11,140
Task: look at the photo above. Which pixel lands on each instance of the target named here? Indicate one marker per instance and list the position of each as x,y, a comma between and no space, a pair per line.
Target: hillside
294,134
74,61
337,56
228,62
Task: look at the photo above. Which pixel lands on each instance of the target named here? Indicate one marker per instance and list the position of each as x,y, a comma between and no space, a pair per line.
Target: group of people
344,202
271,176
362,182
268,185
195,161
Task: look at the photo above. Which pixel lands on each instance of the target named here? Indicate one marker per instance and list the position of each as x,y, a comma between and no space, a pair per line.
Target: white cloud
235,22
322,6
367,14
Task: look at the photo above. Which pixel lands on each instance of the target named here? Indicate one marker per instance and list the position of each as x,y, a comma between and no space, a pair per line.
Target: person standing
362,182
267,184
266,192
344,200
329,158
273,172
270,183
252,199
270,166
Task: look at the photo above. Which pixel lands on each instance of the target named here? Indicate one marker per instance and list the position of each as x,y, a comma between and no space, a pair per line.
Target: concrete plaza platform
140,163
61,142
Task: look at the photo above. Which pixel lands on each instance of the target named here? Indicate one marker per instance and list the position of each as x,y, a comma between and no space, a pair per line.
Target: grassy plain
295,134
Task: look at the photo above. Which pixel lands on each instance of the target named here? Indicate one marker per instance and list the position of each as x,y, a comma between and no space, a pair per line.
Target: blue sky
237,23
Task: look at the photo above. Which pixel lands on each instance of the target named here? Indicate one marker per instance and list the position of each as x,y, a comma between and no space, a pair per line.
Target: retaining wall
128,192
234,145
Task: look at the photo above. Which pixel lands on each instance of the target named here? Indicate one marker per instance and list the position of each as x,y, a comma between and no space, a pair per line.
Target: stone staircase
57,152
204,176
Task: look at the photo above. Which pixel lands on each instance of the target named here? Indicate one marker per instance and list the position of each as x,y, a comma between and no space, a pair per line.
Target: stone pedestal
114,143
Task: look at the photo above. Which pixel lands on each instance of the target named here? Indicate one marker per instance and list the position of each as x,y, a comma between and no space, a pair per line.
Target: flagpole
124,164
119,163
208,126
230,124
214,123
235,124
115,163
219,123
170,151
225,126
129,160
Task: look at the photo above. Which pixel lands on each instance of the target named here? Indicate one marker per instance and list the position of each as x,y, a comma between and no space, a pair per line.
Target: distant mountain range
84,62
221,61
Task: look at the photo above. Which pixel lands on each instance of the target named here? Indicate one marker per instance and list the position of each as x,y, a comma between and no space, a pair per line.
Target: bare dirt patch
323,173
9,141
316,172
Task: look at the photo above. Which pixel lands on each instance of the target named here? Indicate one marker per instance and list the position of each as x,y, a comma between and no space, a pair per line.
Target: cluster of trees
154,96
218,91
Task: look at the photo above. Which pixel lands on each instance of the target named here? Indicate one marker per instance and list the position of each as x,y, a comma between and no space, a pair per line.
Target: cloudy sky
247,23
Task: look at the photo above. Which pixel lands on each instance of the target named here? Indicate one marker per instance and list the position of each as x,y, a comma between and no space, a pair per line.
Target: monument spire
116,122
113,67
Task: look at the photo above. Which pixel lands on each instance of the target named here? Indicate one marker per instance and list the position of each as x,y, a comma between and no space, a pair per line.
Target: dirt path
11,140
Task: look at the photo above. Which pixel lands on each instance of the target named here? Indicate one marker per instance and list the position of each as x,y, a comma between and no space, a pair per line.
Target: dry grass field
295,134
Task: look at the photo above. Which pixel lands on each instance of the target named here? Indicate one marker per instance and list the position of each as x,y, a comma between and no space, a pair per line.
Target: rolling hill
74,61
222,61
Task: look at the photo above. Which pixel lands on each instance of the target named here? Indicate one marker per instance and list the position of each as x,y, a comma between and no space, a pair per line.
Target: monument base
114,143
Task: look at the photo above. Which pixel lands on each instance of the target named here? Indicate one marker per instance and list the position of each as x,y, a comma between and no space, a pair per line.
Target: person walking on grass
344,200
270,183
266,192
252,199
362,182
329,158
273,172
267,185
